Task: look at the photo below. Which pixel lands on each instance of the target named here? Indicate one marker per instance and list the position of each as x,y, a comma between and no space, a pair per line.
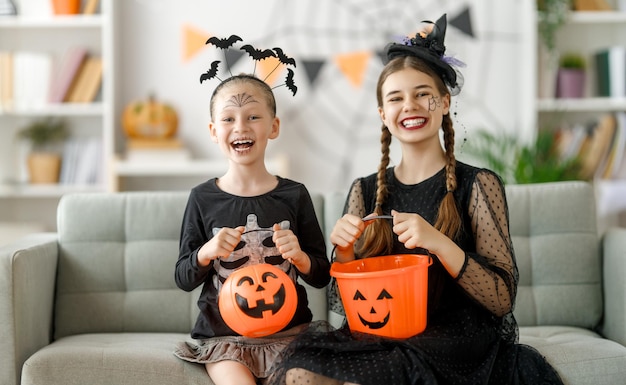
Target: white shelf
583,104
596,17
78,21
44,190
61,109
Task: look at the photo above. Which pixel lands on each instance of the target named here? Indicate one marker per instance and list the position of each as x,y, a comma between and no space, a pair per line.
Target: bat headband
428,45
256,55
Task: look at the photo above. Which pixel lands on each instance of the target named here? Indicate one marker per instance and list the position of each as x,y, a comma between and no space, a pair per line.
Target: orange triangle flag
269,69
353,66
193,41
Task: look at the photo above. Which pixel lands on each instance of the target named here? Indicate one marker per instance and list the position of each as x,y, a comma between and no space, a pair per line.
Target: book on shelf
82,162
90,7
6,81
611,71
66,73
35,8
570,141
32,73
156,150
591,144
615,166
595,148
591,5
85,87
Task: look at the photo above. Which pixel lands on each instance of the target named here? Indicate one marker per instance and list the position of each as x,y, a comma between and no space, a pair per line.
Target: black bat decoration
258,54
284,58
289,82
223,43
211,73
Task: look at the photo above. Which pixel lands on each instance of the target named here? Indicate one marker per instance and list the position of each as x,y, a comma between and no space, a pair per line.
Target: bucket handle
365,219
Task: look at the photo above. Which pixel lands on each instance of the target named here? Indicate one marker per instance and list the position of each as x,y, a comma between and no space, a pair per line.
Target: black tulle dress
471,335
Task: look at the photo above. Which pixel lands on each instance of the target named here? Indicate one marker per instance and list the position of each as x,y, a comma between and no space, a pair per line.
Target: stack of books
78,78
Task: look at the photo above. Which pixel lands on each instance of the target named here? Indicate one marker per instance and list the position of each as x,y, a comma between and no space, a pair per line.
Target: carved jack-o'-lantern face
258,300
373,312
385,295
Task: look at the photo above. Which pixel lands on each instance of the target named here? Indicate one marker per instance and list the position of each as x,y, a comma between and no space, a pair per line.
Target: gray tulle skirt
259,355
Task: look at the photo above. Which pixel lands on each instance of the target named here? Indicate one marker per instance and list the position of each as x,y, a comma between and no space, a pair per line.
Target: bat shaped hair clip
221,44
256,55
211,73
289,82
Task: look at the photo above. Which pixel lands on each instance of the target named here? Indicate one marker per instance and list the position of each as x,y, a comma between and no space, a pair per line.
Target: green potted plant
44,159
551,16
570,81
518,163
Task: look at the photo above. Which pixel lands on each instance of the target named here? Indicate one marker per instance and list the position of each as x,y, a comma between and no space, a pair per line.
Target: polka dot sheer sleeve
355,204
490,275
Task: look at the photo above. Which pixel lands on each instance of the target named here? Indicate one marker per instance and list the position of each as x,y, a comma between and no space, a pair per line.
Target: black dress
471,335
209,208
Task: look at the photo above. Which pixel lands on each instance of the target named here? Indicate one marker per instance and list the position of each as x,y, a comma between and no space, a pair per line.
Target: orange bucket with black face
385,295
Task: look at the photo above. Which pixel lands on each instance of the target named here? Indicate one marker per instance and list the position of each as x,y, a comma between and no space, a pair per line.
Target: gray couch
96,302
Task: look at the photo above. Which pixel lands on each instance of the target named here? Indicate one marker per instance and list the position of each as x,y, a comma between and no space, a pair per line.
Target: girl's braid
377,238
448,217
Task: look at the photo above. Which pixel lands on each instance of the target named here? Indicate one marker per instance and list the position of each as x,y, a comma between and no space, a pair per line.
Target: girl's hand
414,231
221,245
346,231
287,244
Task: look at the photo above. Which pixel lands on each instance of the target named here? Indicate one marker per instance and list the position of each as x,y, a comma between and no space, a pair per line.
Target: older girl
452,211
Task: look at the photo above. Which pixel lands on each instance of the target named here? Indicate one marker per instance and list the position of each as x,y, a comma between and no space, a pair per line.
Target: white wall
330,129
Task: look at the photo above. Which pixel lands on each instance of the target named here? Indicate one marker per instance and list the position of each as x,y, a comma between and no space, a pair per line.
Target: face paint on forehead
240,100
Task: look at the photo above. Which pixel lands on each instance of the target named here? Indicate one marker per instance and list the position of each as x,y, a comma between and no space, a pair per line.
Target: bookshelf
586,33
53,36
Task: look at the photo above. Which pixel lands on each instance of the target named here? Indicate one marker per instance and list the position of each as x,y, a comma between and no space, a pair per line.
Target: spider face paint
240,100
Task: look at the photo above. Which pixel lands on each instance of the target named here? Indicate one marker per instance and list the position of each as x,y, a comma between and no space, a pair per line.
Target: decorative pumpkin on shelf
149,119
258,300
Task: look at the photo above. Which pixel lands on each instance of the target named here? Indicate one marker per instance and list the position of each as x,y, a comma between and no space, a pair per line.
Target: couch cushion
580,356
116,264
553,227
121,359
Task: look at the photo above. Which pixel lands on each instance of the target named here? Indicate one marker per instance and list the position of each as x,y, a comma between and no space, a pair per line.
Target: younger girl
452,211
215,239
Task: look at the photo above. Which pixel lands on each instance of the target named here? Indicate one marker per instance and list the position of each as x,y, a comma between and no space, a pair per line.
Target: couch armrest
27,280
614,270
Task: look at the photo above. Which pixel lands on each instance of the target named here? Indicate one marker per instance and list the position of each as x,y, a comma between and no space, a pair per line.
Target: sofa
96,302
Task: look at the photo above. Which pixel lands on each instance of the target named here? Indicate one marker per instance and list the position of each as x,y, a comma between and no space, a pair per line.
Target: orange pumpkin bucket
258,300
386,295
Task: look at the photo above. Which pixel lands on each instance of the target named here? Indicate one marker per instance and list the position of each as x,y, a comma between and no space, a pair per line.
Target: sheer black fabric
471,334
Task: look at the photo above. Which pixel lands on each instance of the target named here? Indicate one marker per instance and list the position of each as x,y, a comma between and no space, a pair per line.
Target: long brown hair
377,238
